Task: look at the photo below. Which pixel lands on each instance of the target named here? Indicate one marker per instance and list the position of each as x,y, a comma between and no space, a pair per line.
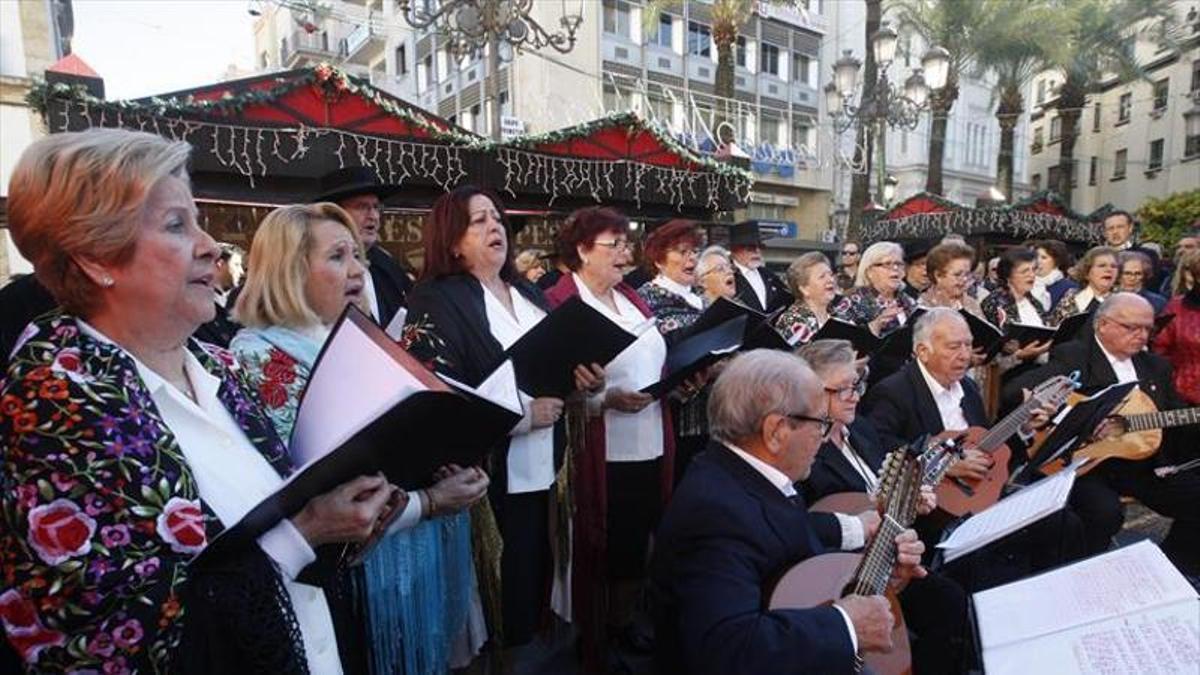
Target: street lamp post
473,25
888,106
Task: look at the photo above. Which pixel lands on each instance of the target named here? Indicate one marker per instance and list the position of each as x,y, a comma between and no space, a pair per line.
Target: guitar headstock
1055,390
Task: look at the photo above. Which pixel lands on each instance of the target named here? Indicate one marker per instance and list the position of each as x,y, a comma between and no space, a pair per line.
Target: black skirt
525,564
634,507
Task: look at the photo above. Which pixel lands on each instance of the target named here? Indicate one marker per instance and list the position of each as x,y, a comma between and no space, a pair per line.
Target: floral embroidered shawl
100,512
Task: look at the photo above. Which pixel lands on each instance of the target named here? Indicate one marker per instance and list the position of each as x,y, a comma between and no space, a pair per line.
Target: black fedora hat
351,182
745,234
915,249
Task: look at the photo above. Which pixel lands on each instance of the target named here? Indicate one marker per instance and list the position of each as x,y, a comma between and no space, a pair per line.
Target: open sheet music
1010,514
371,407
1125,611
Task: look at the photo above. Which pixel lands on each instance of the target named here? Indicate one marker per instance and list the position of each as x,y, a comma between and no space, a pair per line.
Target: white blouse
632,437
669,284
1028,314
530,461
232,477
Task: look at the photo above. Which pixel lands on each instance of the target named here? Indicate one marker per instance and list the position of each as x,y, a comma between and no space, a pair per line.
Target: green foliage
1165,220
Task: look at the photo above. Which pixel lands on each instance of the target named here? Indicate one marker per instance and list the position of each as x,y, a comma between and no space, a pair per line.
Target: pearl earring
106,282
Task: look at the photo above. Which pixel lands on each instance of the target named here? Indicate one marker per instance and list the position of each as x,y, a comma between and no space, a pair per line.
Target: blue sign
777,228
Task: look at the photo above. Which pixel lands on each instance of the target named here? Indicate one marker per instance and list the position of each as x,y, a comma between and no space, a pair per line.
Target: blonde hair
527,260
80,195
872,255
1188,264
277,269
1084,267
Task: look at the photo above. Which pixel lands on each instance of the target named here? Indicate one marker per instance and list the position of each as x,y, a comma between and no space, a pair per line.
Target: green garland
333,81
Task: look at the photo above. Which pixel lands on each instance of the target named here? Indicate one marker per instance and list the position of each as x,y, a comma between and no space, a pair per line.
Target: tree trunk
942,101
1071,100
1009,112
723,85
860,182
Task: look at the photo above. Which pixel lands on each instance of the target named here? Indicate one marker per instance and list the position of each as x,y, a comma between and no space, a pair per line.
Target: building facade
664,68
33,37
972,134
1135,139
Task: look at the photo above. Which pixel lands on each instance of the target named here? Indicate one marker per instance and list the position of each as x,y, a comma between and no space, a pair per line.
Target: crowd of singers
146,405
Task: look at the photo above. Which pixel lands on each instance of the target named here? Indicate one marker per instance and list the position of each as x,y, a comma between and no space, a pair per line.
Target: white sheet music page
1010,514
395,327
1125,611
355,381
500,387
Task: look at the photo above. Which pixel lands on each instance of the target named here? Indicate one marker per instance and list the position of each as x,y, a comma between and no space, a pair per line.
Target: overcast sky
144,47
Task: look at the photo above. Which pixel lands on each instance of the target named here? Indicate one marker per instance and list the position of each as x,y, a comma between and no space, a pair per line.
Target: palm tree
728,17
1095,45
1016,47
955,25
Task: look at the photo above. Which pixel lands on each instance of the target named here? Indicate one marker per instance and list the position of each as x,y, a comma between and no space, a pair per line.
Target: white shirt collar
669,284
1122,368
745,270
955,390
775,476
204,384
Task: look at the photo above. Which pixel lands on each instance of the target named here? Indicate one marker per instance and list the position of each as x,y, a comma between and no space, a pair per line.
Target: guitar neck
1008,426
1162,420
875,570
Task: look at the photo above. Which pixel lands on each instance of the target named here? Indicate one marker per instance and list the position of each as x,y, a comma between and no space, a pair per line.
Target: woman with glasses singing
811,280
876,301
671,254
949,266
850,460
714,274
623,473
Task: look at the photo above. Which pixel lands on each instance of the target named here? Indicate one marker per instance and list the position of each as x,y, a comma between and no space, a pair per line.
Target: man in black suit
357,190
1116,353
1120,230
932,394
735,524
756,287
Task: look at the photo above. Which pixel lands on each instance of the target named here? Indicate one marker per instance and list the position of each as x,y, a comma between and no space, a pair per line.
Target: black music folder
721,311
864,341
371,407
1076,425
1027,334
545,357
984,335
899,342
698,352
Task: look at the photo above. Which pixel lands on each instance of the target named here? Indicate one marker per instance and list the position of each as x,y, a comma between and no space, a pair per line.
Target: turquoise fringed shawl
416,583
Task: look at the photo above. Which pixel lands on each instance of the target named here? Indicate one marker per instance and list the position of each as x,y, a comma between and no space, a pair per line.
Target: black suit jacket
726,537
21,300
1095,373
391,281
777,293
902,408
831,471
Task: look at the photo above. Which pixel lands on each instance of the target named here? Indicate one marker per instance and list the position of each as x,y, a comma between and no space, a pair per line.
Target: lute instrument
1142,422
937,458
823,579
960,496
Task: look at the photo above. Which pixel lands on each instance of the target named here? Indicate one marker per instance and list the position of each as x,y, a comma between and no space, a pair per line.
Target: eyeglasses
1131,327
617,245
849,252
894,264
851,392
825,422
716,269
1133,273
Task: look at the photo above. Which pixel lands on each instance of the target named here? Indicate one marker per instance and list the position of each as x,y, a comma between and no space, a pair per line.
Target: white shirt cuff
526,423
849,627
854,536
288,548
410,516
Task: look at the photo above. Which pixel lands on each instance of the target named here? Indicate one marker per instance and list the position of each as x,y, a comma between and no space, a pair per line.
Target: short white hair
874,253
703,268
755,384
927,322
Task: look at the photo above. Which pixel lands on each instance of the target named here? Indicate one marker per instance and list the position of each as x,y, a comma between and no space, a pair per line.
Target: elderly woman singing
128,446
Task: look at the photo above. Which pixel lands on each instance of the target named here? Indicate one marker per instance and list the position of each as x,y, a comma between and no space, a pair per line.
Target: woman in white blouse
306,265
470,306
131,445
626,472
1096,273
1015,302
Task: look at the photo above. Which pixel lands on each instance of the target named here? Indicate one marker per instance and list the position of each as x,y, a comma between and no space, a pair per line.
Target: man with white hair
736,523
1117,353
932,394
